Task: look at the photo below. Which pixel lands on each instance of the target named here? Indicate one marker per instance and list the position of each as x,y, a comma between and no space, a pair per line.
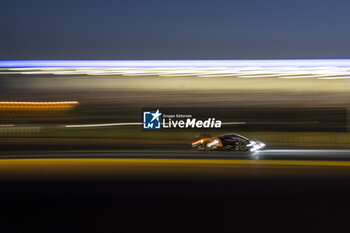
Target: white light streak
234,123
103,125
284,68
340,77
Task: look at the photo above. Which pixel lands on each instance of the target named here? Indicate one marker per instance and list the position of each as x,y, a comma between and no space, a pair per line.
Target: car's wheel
228,148
203,146
242,146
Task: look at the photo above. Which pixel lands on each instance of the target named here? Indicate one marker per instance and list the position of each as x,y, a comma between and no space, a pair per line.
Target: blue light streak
175,63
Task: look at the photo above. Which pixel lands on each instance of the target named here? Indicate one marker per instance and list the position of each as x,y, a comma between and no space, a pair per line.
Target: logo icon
151,120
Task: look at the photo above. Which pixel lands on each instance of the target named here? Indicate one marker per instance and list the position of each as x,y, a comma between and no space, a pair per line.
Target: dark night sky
178,29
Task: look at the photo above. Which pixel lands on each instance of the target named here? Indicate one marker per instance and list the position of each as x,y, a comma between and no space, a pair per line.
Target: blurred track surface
274,164
271,154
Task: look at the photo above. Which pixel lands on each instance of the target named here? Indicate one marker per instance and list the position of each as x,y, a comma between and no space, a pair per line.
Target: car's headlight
255,145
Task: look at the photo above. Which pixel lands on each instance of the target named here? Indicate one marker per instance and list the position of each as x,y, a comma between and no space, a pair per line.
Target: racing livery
230,142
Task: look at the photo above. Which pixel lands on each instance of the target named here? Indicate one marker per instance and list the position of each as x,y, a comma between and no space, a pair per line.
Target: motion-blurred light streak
24,106
340,77
103,125
256,64
286,69
131,124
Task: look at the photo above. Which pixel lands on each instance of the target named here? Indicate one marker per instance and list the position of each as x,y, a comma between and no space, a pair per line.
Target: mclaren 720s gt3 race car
227,142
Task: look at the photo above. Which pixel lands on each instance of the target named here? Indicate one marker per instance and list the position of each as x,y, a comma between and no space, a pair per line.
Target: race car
230,142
